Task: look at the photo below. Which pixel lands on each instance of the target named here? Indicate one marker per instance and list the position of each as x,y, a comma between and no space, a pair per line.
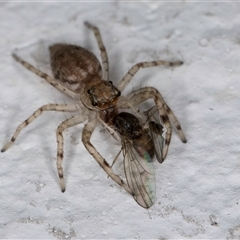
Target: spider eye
94,104
118,94
110,82
89,91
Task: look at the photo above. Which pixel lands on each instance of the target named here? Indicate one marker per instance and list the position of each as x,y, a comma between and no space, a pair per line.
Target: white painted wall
198,186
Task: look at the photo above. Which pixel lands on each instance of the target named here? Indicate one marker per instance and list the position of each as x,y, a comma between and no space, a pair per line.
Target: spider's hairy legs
36,114
86,135
102,48
52,81
59,134
135,68
138,96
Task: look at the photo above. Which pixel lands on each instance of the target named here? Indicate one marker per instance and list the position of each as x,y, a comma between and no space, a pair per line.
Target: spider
78,74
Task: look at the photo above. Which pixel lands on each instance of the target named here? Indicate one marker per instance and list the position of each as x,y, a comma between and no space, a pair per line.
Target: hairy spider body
74,66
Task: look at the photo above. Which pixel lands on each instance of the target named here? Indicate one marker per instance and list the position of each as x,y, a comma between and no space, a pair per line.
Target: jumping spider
78,74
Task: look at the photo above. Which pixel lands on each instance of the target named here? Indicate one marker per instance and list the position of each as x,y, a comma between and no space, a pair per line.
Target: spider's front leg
64,125
135,68
112,132
86,135
138,96
102,48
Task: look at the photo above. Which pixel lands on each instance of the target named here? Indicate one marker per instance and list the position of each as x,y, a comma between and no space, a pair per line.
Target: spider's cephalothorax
102,95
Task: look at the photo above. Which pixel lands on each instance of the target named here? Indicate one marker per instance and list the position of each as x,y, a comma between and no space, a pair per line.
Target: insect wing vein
156,131
140,175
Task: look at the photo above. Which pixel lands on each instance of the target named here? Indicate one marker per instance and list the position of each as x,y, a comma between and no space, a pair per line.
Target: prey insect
140,142
138,151
78,74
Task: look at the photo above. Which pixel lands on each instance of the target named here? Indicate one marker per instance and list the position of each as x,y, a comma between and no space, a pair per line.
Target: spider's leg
86,135
64,125
113,133
102,48
37,113
138,96
52,81
175,122
134,69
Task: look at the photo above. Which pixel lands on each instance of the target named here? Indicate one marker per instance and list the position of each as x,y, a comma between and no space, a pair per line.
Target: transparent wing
156,131
139,173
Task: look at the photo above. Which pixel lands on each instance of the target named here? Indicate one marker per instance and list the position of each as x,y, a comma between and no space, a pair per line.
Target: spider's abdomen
73,65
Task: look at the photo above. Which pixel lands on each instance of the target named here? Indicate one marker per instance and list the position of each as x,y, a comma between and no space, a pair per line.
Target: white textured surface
198,186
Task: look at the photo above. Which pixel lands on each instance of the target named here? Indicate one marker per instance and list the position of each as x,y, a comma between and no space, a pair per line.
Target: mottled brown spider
79,75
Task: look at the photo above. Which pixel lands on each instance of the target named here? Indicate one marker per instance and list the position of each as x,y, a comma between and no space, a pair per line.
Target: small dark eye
89,91
118,94
110,82
94,104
